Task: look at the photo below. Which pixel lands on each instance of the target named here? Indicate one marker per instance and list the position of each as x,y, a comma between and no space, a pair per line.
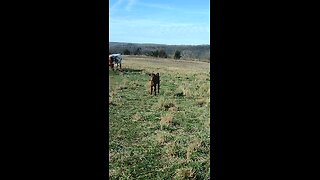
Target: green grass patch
159,137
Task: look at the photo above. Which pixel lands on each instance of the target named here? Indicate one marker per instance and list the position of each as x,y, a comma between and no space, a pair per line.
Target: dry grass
208,123
165,104
168,93
112,97
171,151
166,120
165,65
185,89
184,173
205,90
137,117
123,84
193,146
201,102
162,137
111,103
112,93
134,85
173,109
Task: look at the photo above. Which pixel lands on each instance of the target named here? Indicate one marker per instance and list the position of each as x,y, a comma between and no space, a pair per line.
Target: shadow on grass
130,70
126,70
123,71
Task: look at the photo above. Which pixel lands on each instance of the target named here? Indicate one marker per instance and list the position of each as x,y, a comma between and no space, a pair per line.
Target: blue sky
175,22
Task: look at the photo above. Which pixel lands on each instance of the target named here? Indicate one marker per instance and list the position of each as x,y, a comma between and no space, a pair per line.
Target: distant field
163,136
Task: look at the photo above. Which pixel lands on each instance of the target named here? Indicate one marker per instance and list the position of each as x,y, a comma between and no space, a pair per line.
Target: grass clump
185,90
193,146
184,173
165,104
201,102
134,85
137,117
171,151
123,85
111,103
162,137
173,109
166,120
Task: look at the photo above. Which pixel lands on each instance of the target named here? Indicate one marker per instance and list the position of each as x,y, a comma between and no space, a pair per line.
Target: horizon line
160,43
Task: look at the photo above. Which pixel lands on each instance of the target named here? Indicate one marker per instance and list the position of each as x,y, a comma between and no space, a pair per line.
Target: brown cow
110,62
154,82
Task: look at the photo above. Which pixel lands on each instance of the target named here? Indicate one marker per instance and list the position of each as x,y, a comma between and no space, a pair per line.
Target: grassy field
164,136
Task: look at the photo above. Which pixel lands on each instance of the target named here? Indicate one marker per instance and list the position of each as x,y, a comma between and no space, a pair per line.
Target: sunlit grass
159,137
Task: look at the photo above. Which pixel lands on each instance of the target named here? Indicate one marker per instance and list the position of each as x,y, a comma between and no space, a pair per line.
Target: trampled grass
159,137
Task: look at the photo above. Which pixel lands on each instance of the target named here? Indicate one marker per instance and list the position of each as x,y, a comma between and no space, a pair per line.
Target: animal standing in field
154,83
115,59
110,62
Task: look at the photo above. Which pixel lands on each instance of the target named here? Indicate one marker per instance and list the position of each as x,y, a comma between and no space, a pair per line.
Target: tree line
195,52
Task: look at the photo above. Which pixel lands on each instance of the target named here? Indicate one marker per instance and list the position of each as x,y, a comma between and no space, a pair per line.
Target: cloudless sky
172,22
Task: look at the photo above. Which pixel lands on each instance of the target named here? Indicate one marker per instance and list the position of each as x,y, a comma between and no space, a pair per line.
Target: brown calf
154,82
111,63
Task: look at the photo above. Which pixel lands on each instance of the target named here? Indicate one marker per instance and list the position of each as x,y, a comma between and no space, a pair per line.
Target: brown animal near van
111,63
154,83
